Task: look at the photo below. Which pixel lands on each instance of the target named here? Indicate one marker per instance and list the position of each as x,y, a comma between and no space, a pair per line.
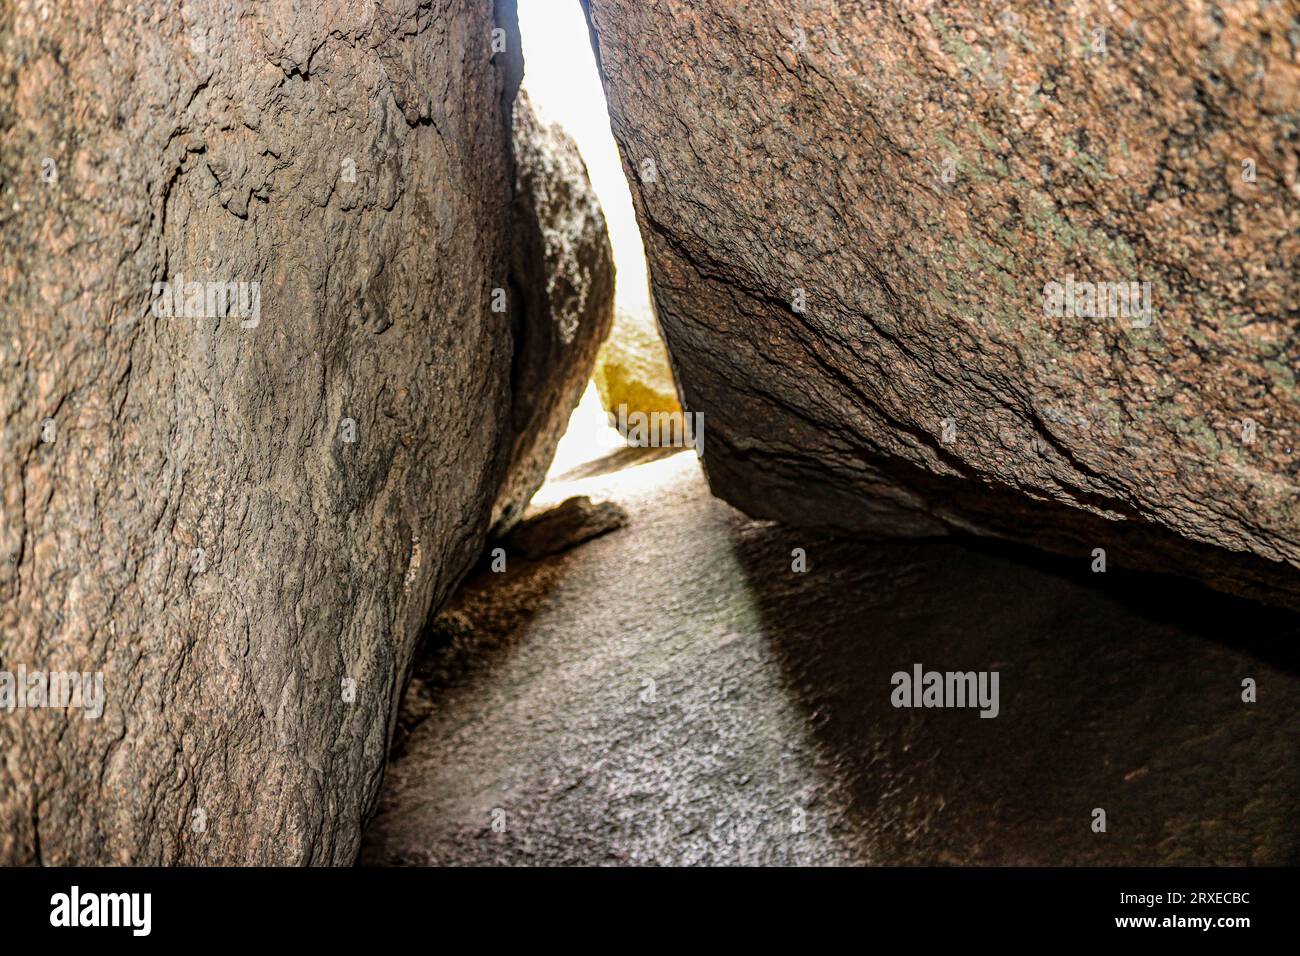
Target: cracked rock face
563,298
241,514
984,267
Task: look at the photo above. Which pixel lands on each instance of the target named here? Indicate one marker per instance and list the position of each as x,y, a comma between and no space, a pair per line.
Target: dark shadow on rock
1117,691
472,633
506,588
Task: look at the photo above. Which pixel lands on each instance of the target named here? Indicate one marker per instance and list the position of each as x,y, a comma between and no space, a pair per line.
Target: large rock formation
893,249
562,299
237,494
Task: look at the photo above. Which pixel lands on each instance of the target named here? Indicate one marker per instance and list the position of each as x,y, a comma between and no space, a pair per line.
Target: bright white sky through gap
561,79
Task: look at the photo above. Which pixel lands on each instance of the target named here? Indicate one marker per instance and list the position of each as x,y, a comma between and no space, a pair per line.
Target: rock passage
674,693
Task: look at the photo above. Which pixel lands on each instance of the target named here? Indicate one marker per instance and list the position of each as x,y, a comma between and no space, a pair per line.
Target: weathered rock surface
853,214
562,296
233,518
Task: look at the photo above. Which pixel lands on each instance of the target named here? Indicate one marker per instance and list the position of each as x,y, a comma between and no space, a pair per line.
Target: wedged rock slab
564,526
562,299
981,267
